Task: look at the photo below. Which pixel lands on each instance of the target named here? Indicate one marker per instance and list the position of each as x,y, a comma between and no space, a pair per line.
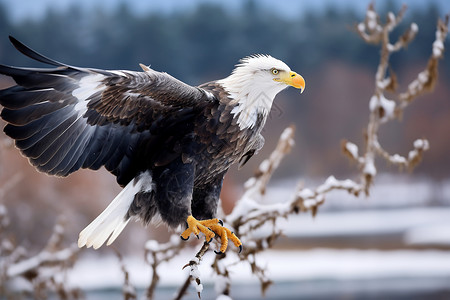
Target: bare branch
257,224
426,80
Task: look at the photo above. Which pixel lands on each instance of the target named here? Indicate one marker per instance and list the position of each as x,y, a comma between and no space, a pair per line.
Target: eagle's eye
275,71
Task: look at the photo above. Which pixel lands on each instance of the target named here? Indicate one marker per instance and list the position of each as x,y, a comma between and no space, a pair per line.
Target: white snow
371,20
391,17
33,262
332,182
369,168
352,149
423,77
433,234
421,144
398,159
366,222
305,193
152,245
438,48
361,27
221,284
264,166
388,106
224,297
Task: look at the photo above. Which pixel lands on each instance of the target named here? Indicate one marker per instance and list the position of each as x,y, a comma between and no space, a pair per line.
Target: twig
156,253
194,274
128,290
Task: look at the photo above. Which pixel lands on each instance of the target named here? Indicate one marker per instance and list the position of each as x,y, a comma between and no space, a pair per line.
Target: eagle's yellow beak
292,79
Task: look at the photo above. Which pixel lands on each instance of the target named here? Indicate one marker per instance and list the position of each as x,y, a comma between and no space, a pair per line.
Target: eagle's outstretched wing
65,118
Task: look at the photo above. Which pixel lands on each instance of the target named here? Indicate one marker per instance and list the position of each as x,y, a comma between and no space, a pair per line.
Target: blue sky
23,9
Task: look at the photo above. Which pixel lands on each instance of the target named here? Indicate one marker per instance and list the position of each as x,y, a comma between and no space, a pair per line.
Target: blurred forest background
203,43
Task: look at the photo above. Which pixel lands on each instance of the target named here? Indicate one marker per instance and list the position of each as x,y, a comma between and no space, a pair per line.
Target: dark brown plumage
168,143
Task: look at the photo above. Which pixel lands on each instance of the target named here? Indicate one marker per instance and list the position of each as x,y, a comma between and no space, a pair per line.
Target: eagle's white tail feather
111,222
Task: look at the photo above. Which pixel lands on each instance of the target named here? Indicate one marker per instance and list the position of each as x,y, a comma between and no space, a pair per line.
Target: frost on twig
382,109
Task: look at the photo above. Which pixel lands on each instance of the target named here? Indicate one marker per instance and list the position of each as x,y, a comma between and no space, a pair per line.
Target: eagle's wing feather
66,118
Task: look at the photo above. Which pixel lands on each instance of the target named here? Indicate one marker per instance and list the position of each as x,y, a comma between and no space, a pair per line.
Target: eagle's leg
210,228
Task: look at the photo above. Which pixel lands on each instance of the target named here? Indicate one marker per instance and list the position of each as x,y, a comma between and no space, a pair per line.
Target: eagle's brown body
169,144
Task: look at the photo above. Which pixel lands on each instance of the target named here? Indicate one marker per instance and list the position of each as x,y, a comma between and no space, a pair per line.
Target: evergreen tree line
203,43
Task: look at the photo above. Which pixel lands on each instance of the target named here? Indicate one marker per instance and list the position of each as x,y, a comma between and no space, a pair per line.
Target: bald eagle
169,144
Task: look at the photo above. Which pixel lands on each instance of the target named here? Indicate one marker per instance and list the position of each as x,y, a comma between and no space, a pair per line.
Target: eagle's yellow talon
211,228
195,227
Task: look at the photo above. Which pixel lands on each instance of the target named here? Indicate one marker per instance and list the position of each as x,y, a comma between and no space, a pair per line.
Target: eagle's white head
254,83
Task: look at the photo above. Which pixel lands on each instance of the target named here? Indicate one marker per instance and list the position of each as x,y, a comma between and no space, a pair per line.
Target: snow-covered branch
426,80
256,223
33,275
39,274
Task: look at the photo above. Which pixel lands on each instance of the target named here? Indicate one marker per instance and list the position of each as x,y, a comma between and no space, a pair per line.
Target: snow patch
438,48
361,27
387,105
369,168
352,149
398,159
435,234
421,144
423,77
371,20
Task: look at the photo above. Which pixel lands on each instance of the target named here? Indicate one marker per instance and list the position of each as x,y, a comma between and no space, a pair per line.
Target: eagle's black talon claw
218,252
184,239
240,249
197,236
220,222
